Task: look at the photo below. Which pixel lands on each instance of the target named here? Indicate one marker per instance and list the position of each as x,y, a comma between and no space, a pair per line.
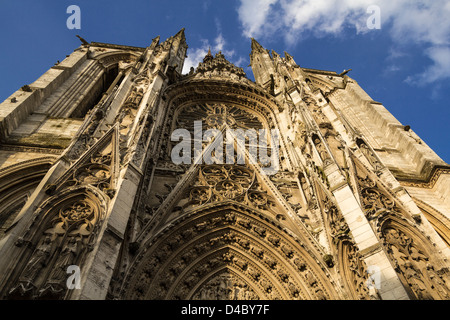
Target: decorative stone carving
415,266
370,155
321,149
217,183
374,202
225,287
218,66
64,238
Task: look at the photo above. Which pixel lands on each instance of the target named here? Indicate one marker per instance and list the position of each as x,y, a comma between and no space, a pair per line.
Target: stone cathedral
93,206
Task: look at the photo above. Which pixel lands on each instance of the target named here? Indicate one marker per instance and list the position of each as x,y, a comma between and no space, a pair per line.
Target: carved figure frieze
225,287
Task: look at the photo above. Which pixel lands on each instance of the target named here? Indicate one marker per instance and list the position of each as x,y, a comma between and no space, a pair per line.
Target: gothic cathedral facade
93,206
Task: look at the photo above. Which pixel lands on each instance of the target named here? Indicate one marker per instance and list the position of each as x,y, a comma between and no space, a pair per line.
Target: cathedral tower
122,178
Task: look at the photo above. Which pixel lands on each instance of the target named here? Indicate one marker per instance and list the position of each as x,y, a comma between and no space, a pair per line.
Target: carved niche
61,234
370,155
422,274
414,262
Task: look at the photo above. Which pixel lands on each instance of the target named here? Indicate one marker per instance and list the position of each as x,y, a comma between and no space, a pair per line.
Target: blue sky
405,64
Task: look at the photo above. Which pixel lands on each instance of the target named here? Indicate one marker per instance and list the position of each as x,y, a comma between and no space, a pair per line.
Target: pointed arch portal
226,251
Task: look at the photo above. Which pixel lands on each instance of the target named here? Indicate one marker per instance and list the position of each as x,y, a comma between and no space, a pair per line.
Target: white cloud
193,58
254,15
439,70
416,22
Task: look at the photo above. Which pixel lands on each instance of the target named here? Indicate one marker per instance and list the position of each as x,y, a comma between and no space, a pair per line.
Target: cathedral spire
175,48
262,64
256,46
180,35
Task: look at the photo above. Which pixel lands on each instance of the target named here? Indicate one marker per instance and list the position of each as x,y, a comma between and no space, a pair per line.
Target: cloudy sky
401,59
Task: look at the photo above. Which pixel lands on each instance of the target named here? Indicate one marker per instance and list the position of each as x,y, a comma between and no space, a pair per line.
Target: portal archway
226,241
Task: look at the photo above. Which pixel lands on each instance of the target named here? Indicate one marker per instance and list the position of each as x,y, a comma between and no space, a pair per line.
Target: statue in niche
38,261
321,149
338,224
266,286
134,98
306,189
293,290
320,117
439,284
415,281
311,280
370,156
68,256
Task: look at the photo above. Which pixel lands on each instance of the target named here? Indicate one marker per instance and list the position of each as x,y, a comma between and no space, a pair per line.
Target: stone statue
38,261
67,257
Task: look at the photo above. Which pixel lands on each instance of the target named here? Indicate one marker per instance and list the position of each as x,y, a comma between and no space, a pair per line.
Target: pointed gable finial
180,34
155,42
208,56
256,46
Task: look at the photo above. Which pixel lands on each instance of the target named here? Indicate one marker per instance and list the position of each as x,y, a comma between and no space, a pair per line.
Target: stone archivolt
224,239
16,186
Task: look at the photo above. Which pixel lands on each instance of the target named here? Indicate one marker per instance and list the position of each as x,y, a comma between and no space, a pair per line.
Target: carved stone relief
225,286
62,238
218,183
412,261
227,239
410,252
